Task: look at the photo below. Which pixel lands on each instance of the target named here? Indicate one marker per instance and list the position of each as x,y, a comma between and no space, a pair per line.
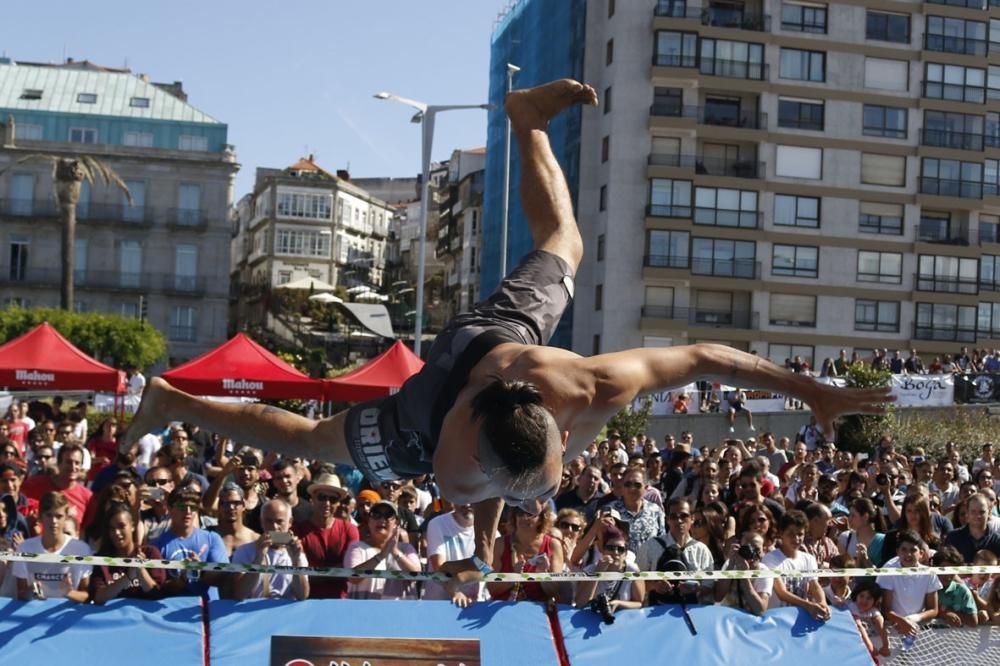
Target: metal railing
182,333
672,160
97,213
675,60
103,280
665,210
673,110
720,217
738,268
186,218
726,17
954,92
961,45
970,4
734,69
945,285
718,318
950,187
29,208
944,138
736,168
943,333
715,115
676,10
938,232
666,261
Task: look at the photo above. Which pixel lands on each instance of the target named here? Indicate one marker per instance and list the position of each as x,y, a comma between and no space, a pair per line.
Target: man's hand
829,402
951,618
462,571
820,612
905,626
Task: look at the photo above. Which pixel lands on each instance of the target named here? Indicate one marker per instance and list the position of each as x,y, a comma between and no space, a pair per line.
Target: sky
289,78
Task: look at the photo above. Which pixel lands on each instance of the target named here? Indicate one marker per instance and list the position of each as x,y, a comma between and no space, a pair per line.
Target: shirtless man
494,412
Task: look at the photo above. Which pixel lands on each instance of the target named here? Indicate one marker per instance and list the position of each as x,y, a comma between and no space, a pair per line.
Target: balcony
673,110
734,69
731,17
934,231
97,280
672,160
668,210
943,333
700,317
666,261
969,4
99,213
951,139
960,45
29,208
950,187
733,168
722,217
675,60
954,92
946,284
669,9
181,285
733,268
729,117
189,219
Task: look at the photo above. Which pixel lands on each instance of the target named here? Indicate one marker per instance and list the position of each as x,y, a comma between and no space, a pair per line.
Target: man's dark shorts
395,437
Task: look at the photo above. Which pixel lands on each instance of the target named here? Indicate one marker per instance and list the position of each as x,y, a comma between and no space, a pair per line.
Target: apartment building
169,249
460,228
791,177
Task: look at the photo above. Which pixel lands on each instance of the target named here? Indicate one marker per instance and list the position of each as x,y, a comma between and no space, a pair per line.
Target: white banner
764,401
924,390
663,401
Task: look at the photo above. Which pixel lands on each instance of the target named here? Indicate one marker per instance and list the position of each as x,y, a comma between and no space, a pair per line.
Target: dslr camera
602,606
749,552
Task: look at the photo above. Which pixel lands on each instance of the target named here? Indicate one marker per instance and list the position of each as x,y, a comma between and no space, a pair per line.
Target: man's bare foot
151,415
533,108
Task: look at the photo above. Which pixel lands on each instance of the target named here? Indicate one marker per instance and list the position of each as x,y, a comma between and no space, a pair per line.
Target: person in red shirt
18,427
65,480
103,447
324,538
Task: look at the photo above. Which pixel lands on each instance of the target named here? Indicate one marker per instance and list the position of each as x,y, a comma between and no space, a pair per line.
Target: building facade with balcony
169,248
460,228
791,177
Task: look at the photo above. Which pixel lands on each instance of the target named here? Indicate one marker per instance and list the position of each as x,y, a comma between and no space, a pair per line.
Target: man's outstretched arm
619,377
486,519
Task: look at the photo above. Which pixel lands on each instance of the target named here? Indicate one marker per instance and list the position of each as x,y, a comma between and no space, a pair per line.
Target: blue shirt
208,546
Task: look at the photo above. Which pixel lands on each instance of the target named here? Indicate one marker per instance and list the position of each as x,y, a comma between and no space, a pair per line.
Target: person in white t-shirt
450,538
53,581
277,546
383,551
136,381
752,595
805,593
909,600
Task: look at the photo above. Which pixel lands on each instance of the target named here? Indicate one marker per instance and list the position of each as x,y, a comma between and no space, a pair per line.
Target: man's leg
545,196
259,426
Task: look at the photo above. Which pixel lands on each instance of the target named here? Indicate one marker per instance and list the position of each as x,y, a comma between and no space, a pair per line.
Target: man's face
64,433
324,502
800,452
767,441
10,483
160,478
679,521
247,474
54,521
71,465
231,507
710,470
275,518
734,456
184,516
633,486
285,481
749,489
792,538
943,474
908,554
389,490
588,481
978,513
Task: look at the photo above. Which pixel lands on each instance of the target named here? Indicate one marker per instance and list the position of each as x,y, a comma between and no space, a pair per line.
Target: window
598,297
989,272
880,218
887,170
886,27
779,352
955,35
797,162
881,74
724,258
667,249
139,102
18,256
607,100
600,247
137,211
596,345
611,8
602,198
82,135
793,310
188,142
955,83
880,316
182,324
795,260
887,121
305,206
802,65
884,267
31,93
794,211
185,267
803,17
725,208
668,101
659,302
676,49
609,52
934,227
961,131
130,264
86,98
988,320
989,228
940,321
142,139
29,132
952,275
804,114
993,82
670,198
740,60
951,178
605,148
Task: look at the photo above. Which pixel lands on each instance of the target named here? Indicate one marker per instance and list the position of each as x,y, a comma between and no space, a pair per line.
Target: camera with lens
602,606
882,479
749,552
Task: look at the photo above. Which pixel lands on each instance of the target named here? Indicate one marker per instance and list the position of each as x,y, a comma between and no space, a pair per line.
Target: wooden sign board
330,651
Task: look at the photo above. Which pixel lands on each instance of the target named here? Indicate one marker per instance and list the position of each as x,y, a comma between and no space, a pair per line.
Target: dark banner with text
329,651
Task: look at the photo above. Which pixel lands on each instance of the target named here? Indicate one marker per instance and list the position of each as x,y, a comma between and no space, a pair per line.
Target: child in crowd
864,606
838,589
982,584
956,605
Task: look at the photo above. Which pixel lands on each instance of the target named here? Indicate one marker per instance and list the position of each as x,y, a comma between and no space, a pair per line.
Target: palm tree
68,176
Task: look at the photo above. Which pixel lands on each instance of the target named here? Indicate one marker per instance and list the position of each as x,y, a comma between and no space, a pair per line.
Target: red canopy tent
42,359
242,368
381,376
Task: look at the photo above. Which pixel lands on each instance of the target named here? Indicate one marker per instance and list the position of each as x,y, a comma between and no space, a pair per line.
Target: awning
373,317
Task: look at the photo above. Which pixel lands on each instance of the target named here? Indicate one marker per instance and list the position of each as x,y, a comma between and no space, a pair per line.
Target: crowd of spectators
624,505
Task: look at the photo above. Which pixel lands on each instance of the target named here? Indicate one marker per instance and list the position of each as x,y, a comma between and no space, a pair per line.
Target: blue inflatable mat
661,635
57,631
509,634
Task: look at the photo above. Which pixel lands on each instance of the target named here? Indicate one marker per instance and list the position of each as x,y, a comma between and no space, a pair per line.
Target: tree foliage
930,429
860,432
121,342
630,422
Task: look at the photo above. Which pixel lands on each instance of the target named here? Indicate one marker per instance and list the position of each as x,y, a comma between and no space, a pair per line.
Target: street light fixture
425,116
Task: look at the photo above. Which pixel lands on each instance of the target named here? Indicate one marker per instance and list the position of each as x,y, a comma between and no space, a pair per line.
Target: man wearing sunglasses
325,537
644,518
695,555
494,412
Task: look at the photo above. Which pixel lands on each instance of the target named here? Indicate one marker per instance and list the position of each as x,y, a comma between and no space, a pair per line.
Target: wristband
482,566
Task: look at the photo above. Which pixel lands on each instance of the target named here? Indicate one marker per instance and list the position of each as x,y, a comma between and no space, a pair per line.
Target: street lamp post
425,116
511,70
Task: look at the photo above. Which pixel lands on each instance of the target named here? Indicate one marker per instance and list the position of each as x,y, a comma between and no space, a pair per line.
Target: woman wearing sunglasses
614,557
569,527
529,549
382,550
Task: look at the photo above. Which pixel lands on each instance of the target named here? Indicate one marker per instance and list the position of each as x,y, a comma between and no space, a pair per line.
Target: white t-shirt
908,592
801,561
445,537
149,444
761,585
49,577
379,588
80,431
136,383
279,585
624,591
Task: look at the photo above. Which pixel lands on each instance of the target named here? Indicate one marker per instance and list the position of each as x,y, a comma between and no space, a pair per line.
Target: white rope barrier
496,577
